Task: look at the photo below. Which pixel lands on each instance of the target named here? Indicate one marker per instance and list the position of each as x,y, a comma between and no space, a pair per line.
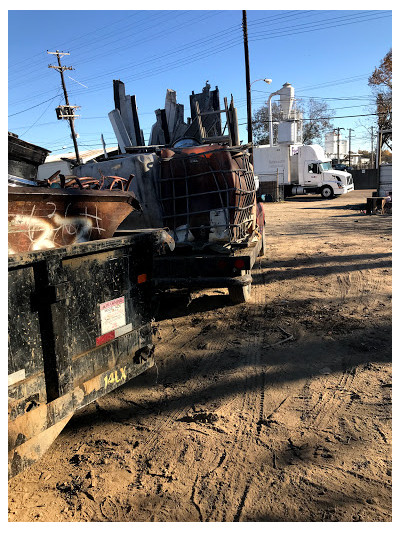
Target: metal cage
208,194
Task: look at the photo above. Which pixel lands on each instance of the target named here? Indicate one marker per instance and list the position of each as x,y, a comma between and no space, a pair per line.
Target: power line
173,14
334,117
192,58
32,107
329,20
289,14
22,61
322,26
186,60
154,25
152,112
90,41
40,116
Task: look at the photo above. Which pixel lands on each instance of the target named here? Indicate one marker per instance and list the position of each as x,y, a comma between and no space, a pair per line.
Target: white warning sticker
112,315
123,330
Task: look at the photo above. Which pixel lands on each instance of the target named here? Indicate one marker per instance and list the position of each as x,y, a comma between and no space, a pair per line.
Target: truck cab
315,173
330,182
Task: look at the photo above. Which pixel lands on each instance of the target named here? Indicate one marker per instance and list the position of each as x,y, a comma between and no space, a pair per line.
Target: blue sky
326,55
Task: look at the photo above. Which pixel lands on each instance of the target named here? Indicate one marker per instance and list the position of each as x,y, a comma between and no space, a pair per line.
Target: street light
249,118
267,80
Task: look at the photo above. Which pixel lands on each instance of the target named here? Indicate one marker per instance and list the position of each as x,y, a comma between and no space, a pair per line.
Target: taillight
239,264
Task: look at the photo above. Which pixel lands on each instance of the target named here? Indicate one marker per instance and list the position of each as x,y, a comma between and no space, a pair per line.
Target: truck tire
327,192
239,294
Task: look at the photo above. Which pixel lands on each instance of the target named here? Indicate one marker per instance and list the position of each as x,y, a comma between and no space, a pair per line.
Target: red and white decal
111,335
107,337
112,315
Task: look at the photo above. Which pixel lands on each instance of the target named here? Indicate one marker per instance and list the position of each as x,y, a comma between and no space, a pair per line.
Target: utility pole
70,116
247,64
379,149
350,130
338,143
372,147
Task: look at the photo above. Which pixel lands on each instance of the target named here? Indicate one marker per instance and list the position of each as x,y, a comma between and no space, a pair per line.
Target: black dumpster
79,326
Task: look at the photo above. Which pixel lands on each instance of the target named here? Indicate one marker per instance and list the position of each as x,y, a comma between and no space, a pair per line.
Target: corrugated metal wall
385,180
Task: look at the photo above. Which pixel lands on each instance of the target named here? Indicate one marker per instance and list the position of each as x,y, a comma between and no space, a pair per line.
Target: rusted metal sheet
41,218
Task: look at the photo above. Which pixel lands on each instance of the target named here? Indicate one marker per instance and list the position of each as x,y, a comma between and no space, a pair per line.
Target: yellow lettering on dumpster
114,377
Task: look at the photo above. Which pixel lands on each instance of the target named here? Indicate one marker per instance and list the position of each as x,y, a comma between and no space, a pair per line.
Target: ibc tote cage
194,185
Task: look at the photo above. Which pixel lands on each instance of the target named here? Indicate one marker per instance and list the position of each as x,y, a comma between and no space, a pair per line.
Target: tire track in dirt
216,346
231,494
332,400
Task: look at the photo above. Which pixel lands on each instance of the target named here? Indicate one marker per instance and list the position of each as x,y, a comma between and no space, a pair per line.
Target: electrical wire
330,20
330,118
32,107
120,39
60,45
40,116
200,55
190,59
320,27
183,61
91,41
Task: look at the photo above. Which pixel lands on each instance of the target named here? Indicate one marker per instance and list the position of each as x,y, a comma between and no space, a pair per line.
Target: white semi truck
291,167
300,169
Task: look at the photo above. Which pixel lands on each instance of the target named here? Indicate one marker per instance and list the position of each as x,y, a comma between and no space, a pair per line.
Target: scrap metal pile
58,180
204,124
204,184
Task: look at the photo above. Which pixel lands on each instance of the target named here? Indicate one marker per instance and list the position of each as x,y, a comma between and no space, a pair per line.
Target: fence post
277,184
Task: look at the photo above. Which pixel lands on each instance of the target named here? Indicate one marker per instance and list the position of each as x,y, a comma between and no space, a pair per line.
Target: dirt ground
274,410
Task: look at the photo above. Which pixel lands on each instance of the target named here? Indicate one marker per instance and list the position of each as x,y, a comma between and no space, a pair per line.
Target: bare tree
317,119
381,83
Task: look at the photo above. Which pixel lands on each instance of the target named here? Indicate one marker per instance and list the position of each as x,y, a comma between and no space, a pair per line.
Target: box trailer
299,169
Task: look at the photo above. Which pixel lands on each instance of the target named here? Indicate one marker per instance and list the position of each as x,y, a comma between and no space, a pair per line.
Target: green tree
317,119
381,83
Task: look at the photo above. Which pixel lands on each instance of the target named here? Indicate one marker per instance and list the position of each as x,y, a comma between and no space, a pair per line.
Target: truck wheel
327,192
240,294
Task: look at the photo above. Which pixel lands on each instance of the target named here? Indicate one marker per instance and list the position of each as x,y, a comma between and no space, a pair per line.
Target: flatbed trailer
203,270
79,327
